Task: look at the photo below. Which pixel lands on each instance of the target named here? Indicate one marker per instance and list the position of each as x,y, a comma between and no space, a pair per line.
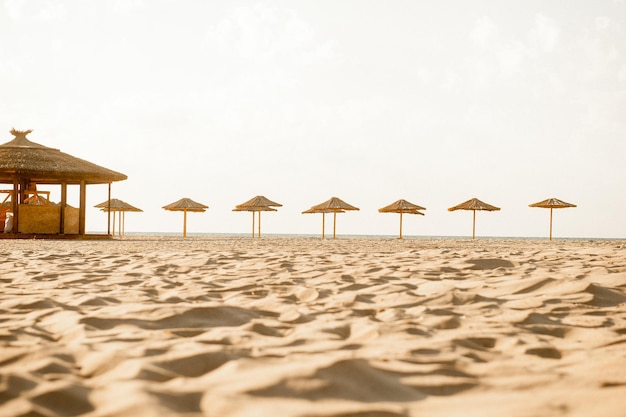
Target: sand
236,327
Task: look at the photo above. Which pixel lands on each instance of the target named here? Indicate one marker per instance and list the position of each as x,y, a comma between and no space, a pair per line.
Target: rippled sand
303,327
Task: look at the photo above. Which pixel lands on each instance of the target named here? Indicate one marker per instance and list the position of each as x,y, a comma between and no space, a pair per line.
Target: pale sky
434,102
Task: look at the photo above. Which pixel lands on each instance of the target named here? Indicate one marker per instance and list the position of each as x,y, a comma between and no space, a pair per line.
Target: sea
349,236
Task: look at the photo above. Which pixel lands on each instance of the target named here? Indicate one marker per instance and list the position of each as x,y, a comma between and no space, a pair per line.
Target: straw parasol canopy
474,204
334,205
552,203
114,205
257,205
402,206
185,205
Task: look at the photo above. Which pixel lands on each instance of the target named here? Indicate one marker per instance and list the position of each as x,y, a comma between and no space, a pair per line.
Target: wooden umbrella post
259,233
334,224
400,225
113,212
185,223
323,224
474,226
550,223
252,223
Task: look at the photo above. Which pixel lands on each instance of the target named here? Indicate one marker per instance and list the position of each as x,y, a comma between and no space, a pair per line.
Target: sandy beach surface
281,327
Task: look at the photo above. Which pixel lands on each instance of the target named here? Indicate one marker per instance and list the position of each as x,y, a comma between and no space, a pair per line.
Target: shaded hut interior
27,170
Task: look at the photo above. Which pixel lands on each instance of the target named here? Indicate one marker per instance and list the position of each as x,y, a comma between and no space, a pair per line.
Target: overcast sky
434,102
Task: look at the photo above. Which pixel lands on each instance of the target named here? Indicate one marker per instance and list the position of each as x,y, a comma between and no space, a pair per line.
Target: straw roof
258,202
474,204
116,205
21,158
402,206
259,208
323,211
186,204
552,203
333,205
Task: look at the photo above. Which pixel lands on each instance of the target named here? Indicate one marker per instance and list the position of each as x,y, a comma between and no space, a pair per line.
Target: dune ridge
149,326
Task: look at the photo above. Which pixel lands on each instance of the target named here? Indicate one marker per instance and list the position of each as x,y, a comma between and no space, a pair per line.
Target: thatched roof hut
24,164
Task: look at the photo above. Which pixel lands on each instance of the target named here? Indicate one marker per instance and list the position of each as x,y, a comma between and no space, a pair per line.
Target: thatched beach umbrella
185,205
334,205
552,203
121,207
474,204
257,205
313,211
402,206
253,211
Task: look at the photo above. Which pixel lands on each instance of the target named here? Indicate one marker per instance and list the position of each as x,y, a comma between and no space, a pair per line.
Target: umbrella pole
323,224
334,224
113,223
119,223
474,226
550,223
252,223
259,234
185,223
400,225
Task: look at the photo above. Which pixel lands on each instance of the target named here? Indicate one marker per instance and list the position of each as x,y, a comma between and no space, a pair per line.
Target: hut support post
334,224
81,209
474,225
259,233
63,205
15,204
400,225
113,221
185,223
23,188
109,213
550,223
323,224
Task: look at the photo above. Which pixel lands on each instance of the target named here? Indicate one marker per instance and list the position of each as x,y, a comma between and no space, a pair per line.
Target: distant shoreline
352,236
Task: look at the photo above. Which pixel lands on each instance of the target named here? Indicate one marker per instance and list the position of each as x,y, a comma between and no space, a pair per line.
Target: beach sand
283,327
